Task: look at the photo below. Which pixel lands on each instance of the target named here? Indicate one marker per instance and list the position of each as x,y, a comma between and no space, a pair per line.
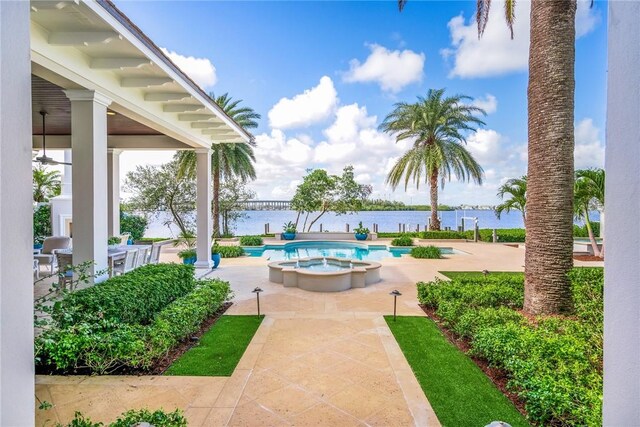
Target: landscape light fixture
396,293
257,292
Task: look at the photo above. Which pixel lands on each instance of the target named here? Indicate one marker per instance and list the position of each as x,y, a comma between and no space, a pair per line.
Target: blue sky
324,74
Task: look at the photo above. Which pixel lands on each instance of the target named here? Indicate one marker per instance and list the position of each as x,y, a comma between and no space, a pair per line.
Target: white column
622,272
16,232
203,208
66,174
113,191
89,182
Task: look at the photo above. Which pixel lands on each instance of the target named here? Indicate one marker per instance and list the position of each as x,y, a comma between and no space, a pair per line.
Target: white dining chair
130,263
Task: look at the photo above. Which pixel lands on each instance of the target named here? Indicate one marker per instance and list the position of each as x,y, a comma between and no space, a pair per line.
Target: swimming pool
314,249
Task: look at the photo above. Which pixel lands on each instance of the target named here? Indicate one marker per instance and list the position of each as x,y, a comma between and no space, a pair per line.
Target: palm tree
516,188
548,255
436,124
46,184
228,160
588,195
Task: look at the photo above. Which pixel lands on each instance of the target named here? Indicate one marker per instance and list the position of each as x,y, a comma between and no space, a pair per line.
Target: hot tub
325,274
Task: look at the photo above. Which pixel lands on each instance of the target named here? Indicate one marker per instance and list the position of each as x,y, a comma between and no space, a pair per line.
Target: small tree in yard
158,189
321,193
233,192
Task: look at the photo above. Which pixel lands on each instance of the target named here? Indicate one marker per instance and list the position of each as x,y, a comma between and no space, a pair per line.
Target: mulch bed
497,376
161,365
587,258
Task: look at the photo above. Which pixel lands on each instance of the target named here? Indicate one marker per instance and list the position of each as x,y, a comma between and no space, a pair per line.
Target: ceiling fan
44,159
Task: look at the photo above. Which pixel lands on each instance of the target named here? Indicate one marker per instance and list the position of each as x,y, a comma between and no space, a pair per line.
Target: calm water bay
254,221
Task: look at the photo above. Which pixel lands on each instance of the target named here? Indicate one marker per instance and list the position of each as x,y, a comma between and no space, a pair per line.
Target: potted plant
215,254
361,232
289,231
113,242
188,256
37,242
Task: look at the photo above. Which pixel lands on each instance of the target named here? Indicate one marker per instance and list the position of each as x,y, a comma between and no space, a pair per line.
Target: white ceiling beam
118,63
78,38
206,125
224,138
218,132
194,117
144,81
182,108
48,5
166,96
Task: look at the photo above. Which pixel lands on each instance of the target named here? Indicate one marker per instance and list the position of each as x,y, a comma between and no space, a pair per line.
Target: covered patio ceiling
92,45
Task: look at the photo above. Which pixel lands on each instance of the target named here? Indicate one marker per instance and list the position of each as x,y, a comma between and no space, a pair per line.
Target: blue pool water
297,250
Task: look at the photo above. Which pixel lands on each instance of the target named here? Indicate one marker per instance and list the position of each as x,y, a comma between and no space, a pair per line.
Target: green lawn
219,349
459,392
478,274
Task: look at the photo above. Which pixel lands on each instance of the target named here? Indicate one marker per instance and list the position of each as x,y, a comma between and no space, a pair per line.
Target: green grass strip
459,392
220,348
479,275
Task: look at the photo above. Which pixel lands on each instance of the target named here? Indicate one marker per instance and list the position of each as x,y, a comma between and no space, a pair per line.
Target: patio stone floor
318,359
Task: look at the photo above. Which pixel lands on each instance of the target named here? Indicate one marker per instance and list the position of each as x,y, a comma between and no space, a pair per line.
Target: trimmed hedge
581,230
103,344
426,252
553,364
442,235
251,241
383,235
230,251
132,298
403,240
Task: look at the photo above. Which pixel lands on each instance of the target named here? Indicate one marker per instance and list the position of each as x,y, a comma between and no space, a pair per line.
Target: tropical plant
230,251
133,224
157,189
403,240
187,253
215,248
550,180
251,241
360,229
436,125
427,252
41,223
228,160
589,195
233,193
322,193
114,240
46,184
516,190
289,227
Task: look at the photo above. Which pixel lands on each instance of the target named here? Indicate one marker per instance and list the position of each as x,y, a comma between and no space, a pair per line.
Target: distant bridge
266,205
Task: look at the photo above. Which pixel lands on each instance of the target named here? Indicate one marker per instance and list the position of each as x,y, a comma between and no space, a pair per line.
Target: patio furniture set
56,254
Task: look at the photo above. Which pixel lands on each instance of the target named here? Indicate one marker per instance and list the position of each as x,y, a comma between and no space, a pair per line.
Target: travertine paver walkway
320,359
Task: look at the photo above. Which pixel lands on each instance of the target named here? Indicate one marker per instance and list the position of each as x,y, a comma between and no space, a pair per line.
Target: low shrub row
581,230
402,240
553,364
100,342
158,418
251,241
383,235
230,251
427,252
119,298
442,235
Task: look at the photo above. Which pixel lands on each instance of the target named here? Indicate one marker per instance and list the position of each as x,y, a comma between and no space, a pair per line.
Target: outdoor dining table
115,254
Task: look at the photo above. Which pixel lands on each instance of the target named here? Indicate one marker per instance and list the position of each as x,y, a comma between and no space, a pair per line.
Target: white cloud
489,104
392,70
496,53
312,106
201,70
589,150
486,146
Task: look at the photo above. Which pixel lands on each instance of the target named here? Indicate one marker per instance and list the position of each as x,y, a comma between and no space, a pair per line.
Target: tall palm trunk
216,194
433,188
550,178
592,237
